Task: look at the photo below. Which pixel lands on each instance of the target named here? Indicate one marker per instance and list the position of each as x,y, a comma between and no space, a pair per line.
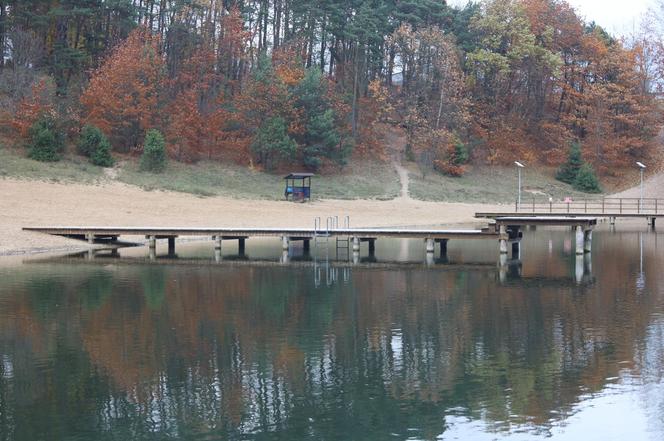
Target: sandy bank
26,203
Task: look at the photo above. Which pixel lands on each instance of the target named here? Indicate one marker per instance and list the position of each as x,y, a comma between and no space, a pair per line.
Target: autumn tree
123,97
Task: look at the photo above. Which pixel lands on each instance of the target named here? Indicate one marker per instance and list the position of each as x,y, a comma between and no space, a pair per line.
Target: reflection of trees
189,350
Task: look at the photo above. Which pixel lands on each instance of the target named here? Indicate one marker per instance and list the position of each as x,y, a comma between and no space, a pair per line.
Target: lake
119,347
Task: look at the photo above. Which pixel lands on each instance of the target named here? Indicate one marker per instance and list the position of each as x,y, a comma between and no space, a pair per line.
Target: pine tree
154,152
570,169
586,180
46,141
271,144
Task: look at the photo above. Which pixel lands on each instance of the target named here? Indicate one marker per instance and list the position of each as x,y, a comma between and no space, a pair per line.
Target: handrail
605,205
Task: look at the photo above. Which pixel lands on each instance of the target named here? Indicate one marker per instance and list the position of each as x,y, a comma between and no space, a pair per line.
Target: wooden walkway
91,232
609,208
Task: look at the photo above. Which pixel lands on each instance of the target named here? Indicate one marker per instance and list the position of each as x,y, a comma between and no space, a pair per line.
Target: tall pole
519,203
641,201
519,166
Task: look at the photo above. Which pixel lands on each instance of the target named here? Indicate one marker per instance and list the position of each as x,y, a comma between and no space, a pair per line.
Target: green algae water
258,347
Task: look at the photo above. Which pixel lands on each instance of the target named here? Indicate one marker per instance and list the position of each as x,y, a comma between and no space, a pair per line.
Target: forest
273,83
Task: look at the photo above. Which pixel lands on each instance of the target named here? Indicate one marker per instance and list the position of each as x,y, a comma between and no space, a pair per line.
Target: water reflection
186,347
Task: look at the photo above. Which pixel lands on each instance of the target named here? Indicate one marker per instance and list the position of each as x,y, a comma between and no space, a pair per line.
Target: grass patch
69,170
373,180
490,185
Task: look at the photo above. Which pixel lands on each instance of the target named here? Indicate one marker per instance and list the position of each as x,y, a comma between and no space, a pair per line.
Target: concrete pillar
580,239
356,244
612,221
578,268
516,250
91,238
372,247
90,255
430,260
152,242
285,242
588,241
171,246
431,246
217,255
356,257
241,246
217,242
503,240
443,248
502,268
285,258
152,253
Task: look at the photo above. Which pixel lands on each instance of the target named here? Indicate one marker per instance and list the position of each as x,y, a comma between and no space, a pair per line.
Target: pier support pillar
516,250
502,268
285,242
372,247
503,239
217,255
431,246
241,246
580,239
588,241
356,244
152,242
217,242
612,221
91,238
171,246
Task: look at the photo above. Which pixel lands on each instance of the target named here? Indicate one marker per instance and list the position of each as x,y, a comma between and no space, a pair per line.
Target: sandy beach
35,203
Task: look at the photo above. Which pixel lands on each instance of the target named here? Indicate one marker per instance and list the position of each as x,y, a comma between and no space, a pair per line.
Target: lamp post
519,166
642,168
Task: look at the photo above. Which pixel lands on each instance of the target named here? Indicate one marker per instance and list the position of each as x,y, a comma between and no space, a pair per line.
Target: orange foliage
31,108
123,96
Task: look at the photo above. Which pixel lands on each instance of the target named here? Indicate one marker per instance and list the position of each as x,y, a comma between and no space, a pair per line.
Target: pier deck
85,232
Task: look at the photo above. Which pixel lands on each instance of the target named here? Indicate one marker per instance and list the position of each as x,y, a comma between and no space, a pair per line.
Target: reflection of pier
511,271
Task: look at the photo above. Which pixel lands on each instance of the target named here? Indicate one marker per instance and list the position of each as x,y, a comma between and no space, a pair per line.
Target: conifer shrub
586,180
46,140
95,145
153,158
568,171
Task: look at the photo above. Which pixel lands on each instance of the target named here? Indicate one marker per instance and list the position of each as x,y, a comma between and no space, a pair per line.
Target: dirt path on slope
395,141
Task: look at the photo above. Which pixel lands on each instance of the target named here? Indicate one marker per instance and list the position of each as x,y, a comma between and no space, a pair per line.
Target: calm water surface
120,348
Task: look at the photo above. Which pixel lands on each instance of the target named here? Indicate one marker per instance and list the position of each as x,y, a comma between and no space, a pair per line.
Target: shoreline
34,203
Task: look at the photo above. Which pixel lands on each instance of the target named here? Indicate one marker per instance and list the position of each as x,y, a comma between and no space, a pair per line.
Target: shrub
154,152
95,145
570,169
460,154
90,138
272,144
586,180
46,141
102,154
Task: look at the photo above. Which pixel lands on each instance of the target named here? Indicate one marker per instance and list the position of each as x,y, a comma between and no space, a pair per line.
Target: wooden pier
506,230
354,236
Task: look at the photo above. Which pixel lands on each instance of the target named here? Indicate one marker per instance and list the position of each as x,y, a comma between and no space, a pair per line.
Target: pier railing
608,206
